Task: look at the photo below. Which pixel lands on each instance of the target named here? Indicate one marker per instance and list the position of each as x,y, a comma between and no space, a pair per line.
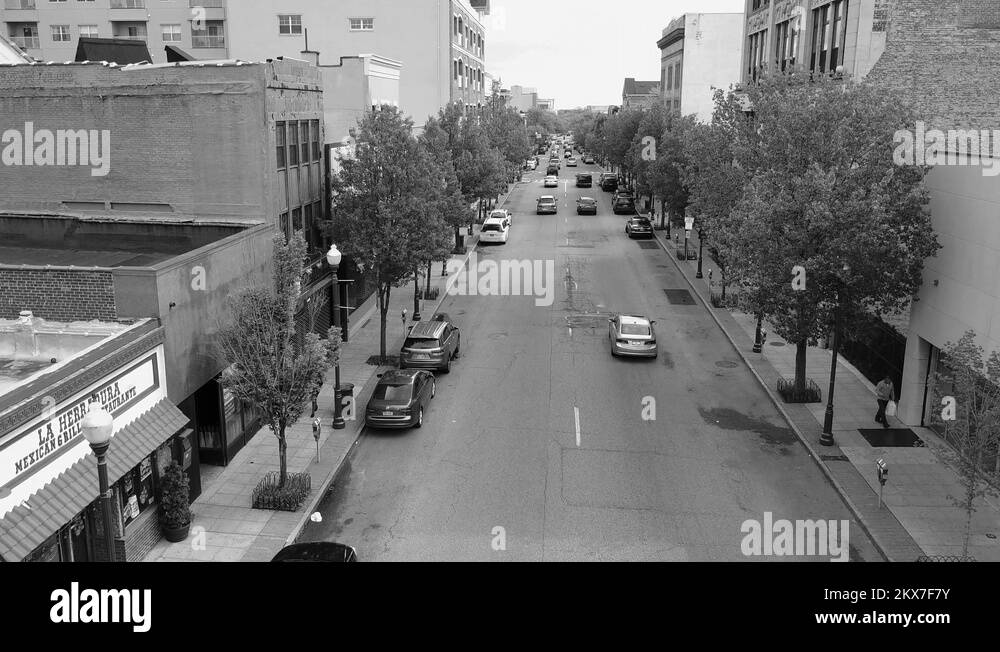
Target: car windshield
492,227
424,342
587,201
634,329
389,392
499,214
640,222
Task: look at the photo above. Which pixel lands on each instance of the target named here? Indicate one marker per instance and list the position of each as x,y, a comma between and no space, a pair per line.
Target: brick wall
58,295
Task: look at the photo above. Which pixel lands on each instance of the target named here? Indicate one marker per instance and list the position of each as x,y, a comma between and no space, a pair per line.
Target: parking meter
882,470
317,430
404,316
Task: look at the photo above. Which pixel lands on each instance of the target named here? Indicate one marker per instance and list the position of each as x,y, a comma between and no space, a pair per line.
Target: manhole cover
646,244
679,297
727,364
777,343
891,437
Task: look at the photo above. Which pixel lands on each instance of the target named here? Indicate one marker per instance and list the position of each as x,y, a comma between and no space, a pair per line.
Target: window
280,143
289,24
284,226
60,34
829,36
362,24
670,78
456,70
171,33
296,220
293,144
304,141
677,77
316,150
212,36
88,31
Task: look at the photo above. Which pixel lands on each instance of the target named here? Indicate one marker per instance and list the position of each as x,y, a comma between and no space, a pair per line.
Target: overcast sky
579,52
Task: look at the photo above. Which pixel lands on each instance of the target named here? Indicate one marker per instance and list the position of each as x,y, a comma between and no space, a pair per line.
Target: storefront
49,507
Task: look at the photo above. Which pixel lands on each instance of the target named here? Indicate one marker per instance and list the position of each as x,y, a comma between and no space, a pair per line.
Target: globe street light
98,427
333,257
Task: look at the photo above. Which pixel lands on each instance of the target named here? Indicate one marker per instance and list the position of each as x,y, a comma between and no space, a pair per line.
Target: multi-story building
637,94
50,29
441,44
523,98
821,35
10,53
547,104
698,53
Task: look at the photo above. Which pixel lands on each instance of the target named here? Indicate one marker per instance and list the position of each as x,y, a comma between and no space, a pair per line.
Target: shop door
78,539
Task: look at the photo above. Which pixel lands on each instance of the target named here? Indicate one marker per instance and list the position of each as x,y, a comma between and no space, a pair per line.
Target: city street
539,445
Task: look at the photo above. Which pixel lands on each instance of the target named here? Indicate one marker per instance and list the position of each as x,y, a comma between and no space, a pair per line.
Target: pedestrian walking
884,392
315,397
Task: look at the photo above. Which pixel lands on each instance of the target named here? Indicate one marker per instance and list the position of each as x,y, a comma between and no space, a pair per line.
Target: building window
293,144
304,141
316,150
279,131
677,77
296,220
88,31
60,34
362,24
171,33
670,78
284,226
289,24
829,37
212,36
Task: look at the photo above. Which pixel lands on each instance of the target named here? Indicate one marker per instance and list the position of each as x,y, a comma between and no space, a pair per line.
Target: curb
332,476
778,404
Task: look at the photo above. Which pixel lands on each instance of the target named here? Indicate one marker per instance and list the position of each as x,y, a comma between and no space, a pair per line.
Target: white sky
579,52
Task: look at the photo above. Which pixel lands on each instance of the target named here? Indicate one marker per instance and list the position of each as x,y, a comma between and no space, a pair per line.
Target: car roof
398,376
499,221
428,328
633,319
316,551
545,197
586,199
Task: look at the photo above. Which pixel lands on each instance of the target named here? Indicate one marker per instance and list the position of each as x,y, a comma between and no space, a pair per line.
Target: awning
114,50
175,54
29,524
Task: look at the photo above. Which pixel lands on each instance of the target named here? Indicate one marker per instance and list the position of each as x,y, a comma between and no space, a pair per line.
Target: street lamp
98,426
700,240
333,258
826,439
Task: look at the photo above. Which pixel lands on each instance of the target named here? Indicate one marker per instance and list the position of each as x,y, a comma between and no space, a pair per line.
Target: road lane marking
576,417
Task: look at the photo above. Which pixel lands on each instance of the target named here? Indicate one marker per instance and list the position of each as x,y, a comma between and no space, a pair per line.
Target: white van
494,230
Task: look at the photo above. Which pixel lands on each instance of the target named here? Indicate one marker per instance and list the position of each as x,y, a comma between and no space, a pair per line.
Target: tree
386,203
824,193
969,392
452,207
267,367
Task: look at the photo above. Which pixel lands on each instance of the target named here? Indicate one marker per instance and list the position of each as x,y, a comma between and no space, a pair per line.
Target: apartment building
523,98
820,35
637,94
698,53
546,104
440,44
50,29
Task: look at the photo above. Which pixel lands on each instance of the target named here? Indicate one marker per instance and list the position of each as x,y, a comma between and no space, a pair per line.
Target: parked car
584,180
623,205
495,230
609,181
631,335
328,551
399,398
639,227
552,181
586,206
546,205
502,214
530,164
430,345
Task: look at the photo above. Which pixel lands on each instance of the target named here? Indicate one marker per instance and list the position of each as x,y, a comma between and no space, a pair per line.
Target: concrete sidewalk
225,527
918,516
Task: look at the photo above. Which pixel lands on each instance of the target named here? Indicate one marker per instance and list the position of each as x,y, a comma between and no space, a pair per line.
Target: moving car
586,205
495,230
623,205
530,164
552,181
567,153
584,180
639,227
588,160
503,214
430,345
571,163
609,181
399,398
631,335
546,205
552,170
328,551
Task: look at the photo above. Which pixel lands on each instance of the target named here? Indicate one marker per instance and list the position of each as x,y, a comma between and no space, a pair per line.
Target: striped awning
29,524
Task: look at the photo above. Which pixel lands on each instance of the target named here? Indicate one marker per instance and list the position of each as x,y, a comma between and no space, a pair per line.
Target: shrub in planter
269,495
175,506
433,294
811,393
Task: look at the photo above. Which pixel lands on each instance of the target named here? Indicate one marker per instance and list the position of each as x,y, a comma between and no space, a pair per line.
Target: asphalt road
501,471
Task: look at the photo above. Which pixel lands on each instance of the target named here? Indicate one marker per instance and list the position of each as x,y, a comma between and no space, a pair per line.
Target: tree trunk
383,306
416,292
282,456
428,290
800,365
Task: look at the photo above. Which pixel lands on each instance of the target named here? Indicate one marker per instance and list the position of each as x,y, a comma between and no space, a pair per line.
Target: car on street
495,230
552,170
530,164
546,205
552,181
588,160
609,181
430,345
567,153
571,162
639,227
584,180
502,214
586,206
399,398
328,551
623,205
631,335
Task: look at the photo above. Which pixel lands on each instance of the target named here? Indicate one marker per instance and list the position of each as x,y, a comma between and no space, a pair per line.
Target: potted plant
175,512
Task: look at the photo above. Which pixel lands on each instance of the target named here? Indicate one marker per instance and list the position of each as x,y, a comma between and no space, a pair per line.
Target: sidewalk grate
891,437
680,297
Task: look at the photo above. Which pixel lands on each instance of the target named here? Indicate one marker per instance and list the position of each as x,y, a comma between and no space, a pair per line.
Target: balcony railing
25,42
19,4
208,41
128,4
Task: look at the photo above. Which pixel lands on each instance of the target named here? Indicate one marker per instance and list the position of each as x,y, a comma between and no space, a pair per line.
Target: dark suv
430,345
623,204
552,169
609,181
584,180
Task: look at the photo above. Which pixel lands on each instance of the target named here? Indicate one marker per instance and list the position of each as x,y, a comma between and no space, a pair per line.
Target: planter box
811,393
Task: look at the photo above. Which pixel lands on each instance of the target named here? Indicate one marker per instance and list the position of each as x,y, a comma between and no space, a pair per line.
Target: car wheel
447,366
434,387
402,365
420,417
458,346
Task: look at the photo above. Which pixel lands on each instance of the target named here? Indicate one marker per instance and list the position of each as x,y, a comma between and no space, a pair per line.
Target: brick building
638,94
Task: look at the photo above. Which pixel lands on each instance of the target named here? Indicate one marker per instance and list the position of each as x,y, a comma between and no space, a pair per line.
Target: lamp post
758,340
826,439
98,426
700,240
333,257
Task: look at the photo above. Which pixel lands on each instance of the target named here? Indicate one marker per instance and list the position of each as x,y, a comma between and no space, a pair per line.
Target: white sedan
495,230
551,181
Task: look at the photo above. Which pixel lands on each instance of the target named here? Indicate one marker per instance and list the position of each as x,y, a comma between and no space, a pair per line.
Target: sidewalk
917,517
225,527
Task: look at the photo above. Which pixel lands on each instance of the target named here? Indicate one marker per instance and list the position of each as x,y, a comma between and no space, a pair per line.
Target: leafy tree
543,121
452,207
825,192
267,366
969,392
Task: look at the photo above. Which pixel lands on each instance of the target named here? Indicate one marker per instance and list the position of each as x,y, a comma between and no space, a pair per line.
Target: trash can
346,395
